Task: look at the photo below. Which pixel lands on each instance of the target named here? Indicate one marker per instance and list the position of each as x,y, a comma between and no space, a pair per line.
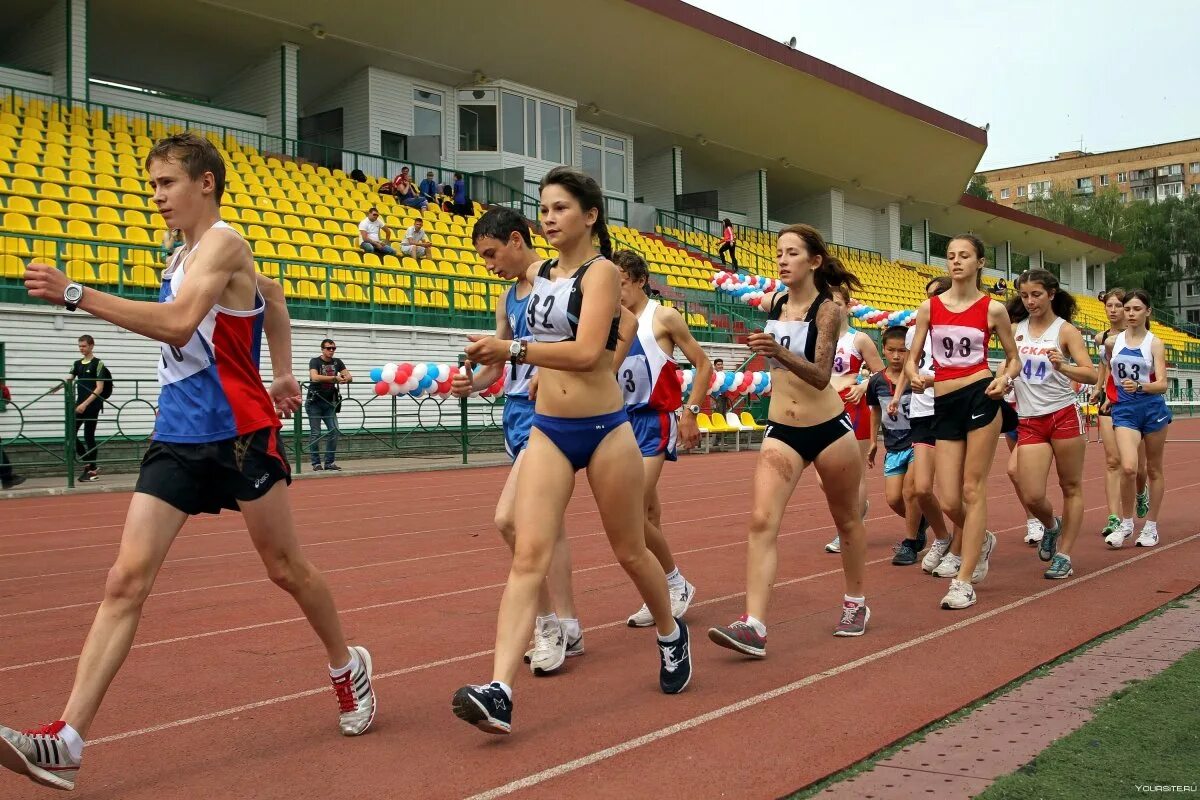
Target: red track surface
224,694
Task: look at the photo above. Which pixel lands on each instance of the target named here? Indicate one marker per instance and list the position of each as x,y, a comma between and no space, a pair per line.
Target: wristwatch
72,295
516,349
694,409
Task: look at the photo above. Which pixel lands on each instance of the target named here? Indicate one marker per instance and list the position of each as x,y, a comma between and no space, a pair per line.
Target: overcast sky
1043,72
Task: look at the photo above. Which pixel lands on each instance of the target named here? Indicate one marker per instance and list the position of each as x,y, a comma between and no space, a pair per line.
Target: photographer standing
325,374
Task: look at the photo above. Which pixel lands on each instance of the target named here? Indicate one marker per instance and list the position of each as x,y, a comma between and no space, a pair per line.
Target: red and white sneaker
356,697
41,754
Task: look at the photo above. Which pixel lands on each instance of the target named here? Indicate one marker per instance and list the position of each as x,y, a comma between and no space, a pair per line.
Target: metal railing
483,189
39,428
401,295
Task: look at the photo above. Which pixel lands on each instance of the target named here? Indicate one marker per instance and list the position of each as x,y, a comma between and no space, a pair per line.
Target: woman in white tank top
1051,426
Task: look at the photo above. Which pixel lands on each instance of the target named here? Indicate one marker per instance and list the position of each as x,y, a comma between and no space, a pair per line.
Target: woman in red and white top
969,413
854,350
1051,426
1103,397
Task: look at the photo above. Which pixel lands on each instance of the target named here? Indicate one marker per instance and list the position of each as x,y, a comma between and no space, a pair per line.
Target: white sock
759,627
571,628
671,637
547,621
73,741
507,689
675,580
1033,519
1151,526
858,601
335,672
1127,523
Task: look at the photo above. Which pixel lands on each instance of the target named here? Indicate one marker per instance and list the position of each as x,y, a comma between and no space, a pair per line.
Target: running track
225,692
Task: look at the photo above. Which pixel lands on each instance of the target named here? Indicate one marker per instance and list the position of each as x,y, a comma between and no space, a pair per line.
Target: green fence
39,428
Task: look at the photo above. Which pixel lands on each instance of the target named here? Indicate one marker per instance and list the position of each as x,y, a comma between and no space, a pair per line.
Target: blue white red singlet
211,387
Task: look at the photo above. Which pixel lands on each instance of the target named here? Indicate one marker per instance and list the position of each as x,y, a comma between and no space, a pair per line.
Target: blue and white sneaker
1048,545
675,662
487,707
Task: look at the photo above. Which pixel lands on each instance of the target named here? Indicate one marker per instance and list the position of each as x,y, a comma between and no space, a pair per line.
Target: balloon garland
751,288
433,380
424,380
743,383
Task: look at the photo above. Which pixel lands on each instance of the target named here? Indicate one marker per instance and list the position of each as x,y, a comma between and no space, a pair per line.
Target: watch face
73,293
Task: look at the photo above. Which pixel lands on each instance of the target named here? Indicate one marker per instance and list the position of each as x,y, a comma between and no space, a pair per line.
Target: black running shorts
205,478
958,413
811,440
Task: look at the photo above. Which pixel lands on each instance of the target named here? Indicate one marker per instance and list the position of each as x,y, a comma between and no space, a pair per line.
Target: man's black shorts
205,478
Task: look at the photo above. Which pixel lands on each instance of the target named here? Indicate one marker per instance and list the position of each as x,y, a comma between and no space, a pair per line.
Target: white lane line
536,778
418,667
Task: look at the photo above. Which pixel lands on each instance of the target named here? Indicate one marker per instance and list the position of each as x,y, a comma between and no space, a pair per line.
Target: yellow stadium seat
11,266
81,271
137,236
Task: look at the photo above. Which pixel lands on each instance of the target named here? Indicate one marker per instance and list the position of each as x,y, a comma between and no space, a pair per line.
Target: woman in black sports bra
580,422
807,424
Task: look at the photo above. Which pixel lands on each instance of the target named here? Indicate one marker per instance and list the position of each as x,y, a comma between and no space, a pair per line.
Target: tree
978,187
1157,237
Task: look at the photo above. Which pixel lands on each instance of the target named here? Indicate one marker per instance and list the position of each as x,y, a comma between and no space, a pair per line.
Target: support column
1004,259
1037,260
887,231
925,237
289,104
837,216
1075,275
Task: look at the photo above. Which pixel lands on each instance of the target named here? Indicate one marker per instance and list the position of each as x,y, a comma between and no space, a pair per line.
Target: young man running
502,239
653,392
216,445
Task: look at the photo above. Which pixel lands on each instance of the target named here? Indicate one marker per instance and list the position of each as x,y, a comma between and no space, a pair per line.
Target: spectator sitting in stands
1001,287
429,187
373,233
415,243
406,193
447,198
358,176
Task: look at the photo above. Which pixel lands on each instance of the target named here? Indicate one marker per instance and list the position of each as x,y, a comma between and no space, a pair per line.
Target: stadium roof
1027,233
651,65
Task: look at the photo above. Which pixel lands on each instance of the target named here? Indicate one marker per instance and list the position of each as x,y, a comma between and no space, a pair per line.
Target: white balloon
389,372
394,389
409,385
419,371
738,377
718,377
443,373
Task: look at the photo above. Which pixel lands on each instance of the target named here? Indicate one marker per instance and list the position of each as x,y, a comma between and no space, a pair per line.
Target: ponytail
601,231
831,272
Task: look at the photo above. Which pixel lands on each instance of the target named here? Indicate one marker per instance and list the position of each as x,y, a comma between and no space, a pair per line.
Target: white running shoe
549,648
961,595
985,553
681,598
1034,531
41,754
1117,538
949,566
834,546
1148,537
937,551
642,618
356,697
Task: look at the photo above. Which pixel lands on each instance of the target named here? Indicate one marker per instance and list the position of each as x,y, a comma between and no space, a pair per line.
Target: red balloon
381,388
403,372
754,301
443,387
747,382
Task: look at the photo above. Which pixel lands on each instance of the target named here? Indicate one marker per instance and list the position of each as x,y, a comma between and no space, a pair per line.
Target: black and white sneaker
675,662
486,707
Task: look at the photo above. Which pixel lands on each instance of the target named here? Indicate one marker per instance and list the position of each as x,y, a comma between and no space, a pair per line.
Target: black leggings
85,448
728,248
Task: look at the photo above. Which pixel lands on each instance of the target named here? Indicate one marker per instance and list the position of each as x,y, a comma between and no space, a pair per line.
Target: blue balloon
376,375
425,383
728,381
